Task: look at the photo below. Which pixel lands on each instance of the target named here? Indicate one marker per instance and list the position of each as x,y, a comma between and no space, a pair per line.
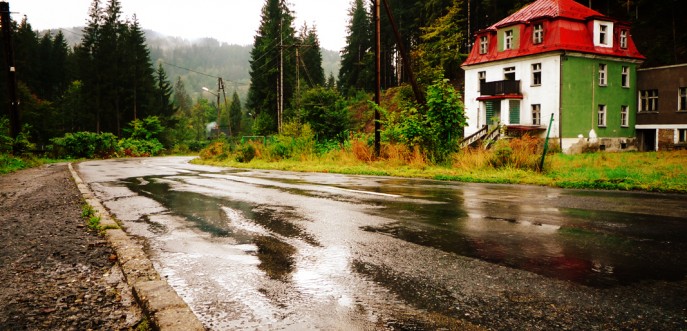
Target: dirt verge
55,273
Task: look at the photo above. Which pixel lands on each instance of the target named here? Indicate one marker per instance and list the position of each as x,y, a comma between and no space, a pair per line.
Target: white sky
232,21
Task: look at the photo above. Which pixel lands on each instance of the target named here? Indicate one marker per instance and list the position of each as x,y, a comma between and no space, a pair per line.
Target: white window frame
538,33
507,71
601,118
682,99
682,136
624,116
536,74
648,100
603,34
536,114
603,74
483,44
508,39
625,77
623,39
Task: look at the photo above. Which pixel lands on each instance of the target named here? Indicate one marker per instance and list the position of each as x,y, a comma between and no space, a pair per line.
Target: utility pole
6,26
378,65
280,107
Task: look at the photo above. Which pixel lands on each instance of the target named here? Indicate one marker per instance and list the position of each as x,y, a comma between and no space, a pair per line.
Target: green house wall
581,96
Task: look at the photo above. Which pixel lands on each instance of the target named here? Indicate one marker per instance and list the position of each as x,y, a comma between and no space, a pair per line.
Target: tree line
107,81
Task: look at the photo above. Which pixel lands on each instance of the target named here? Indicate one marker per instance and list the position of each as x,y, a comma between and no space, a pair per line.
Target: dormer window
538,33
508,40
603,34
483,44
623,39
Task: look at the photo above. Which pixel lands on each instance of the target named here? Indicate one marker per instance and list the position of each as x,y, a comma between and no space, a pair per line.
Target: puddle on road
593,248
223,218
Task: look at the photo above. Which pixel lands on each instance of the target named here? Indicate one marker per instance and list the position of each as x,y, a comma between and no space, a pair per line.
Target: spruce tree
357,68
138,74
235,114
163,105
311,57
275,34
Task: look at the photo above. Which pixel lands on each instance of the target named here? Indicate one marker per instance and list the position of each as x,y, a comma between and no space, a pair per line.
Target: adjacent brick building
662,108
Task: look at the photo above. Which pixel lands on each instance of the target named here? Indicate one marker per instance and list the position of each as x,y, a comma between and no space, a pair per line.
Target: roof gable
548,8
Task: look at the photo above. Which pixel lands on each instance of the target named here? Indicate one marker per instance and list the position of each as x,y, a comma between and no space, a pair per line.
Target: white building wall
547,94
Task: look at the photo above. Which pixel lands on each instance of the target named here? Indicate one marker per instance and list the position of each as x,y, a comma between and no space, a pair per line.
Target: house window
601,118
682,103
481,79
509,73
603,34
623,39
682,136
602,74
538,34
536,74
625,78
508,40
624,119
483,44
536,114
648,100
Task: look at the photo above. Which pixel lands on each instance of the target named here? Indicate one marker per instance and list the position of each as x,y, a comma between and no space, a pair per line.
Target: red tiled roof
567,27
548,8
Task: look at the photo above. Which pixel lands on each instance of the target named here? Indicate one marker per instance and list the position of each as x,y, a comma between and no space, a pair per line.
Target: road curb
165,309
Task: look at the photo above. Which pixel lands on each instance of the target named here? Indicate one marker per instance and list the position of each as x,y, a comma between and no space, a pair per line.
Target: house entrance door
493,112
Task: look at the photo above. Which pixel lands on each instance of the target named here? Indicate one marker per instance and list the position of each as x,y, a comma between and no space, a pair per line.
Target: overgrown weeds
513,161
90,216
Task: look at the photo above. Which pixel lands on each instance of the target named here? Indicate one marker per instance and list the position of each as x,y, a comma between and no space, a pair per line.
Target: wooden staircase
488,137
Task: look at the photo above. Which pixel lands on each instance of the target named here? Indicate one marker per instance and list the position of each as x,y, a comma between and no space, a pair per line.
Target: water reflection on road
322,251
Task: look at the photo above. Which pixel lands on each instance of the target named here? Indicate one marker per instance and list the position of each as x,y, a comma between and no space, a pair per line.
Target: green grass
9,163
651,171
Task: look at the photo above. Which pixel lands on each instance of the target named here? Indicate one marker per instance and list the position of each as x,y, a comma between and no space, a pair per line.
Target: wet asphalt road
278,250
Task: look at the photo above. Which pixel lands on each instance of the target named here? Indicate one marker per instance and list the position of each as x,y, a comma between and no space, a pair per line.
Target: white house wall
547,94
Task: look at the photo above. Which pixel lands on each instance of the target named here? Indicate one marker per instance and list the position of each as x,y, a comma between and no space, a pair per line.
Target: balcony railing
500,87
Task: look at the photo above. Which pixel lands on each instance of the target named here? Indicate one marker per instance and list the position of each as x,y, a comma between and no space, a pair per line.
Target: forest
118,88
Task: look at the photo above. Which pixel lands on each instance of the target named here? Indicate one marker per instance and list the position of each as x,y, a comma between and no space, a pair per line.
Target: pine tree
87,70
235,114
163,105
274,35
139,74
357,68
443,42
311,57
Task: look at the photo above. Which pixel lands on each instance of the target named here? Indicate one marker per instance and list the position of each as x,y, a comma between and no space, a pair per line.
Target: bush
137,147
217,149
85,145
246,153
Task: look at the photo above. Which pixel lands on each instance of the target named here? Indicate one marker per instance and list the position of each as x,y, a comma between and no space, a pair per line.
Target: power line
202,73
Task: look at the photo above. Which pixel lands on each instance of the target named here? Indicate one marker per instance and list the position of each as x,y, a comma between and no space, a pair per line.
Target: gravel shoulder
55,273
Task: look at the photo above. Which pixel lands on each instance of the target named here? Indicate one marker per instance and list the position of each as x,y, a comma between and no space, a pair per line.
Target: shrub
246,153
137,147
217,149
85,145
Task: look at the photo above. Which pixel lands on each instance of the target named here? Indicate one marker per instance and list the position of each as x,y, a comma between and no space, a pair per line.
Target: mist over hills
199,62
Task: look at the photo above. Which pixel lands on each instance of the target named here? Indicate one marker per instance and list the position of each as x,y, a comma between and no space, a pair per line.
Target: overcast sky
232,21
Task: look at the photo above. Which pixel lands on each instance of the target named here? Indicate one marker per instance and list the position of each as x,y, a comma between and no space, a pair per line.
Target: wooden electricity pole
378,65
